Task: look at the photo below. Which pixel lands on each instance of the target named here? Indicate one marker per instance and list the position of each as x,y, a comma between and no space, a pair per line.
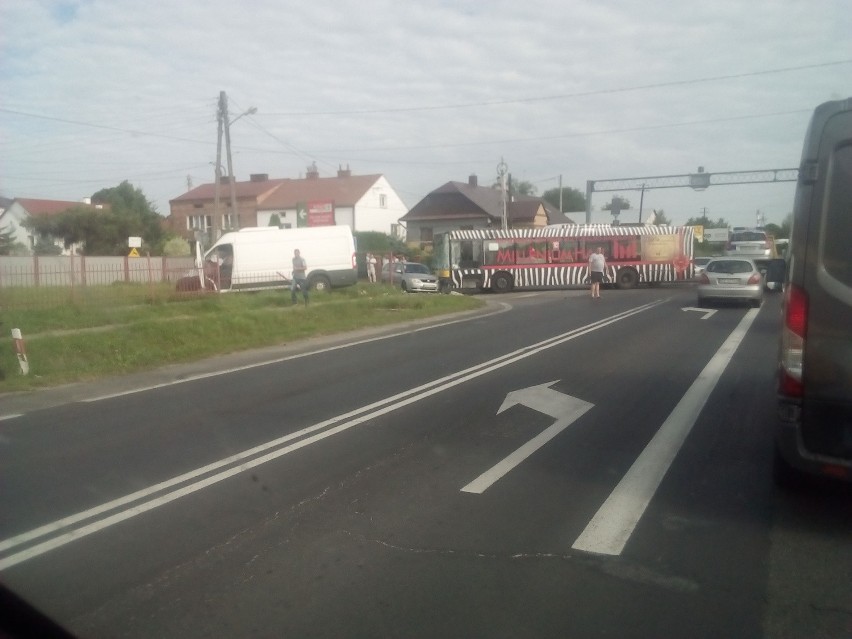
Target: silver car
410,277
731,278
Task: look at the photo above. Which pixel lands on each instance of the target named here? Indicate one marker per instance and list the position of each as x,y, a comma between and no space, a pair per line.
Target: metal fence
40,270
47,280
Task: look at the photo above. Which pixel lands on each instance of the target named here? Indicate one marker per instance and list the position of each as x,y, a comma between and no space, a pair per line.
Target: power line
566,96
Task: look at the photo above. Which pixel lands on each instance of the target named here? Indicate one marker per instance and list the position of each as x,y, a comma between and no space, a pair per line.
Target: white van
253,259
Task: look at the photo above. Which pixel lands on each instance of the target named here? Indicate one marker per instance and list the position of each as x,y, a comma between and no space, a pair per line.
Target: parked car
410,276
732,279
814,428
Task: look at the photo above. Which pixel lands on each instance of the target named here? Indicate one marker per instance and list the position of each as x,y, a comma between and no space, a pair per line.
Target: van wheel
321,284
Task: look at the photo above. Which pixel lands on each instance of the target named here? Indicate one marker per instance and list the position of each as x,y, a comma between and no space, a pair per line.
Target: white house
21,209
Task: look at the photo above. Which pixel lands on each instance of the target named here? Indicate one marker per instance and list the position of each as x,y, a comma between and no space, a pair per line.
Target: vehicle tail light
755,279
703,279
354,262
793,336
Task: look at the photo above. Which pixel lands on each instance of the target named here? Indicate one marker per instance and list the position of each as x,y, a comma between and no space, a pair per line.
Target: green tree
378,243
7,240
176,247
44,246
707,223
274,220
125,213
573,201
660,217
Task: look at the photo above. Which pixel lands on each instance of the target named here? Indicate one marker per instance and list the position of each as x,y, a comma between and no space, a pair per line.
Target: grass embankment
124,332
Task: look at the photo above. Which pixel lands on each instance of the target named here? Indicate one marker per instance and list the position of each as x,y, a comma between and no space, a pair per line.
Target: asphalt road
556,466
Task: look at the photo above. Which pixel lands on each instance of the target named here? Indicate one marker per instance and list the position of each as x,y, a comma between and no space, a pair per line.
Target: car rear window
836,257
748,236
729,266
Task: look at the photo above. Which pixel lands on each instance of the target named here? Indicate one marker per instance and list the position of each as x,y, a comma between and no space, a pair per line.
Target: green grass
77,340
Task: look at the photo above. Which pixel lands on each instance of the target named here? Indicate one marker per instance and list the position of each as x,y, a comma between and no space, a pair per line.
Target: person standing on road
597,268
299,279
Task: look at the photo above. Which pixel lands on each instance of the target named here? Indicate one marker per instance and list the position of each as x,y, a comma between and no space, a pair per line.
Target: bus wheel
502,283
626,278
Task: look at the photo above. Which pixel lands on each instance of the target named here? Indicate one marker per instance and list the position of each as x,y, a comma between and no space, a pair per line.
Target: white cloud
157,68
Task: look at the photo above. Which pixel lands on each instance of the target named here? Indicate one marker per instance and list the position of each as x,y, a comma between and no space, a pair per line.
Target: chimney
259,177
472,181
313,171
343,173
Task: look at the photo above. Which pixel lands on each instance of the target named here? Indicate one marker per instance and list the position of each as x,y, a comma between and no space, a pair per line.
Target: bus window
531,251
498,252
564,251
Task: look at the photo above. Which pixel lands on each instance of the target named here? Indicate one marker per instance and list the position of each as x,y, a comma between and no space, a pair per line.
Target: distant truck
254,259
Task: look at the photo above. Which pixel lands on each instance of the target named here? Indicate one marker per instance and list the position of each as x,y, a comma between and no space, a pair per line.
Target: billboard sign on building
321,213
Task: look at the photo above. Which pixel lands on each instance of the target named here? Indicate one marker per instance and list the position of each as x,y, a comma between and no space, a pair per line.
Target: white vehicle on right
753,243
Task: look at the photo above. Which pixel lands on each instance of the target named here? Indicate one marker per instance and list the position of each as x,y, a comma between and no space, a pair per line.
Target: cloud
423,92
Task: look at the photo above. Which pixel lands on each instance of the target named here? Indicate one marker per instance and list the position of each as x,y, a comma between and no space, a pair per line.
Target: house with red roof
21,209
362,202
462,206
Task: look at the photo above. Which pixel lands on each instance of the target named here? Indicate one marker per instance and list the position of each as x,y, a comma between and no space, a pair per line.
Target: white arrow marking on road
563,408
708,312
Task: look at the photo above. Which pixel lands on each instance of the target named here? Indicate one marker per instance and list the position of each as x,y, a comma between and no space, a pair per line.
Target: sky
95,92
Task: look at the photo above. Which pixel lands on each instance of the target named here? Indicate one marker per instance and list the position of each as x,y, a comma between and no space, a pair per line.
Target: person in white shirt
597,268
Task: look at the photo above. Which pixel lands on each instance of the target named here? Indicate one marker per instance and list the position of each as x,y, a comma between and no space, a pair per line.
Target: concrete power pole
220,117
231,186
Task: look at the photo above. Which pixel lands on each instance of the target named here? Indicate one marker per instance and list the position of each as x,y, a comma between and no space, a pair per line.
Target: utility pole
231,186
560,195
502,168
220,116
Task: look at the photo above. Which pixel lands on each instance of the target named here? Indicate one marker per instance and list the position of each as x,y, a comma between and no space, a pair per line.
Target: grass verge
121,334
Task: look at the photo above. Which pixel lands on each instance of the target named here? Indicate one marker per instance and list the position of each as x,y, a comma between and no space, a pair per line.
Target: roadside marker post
21,350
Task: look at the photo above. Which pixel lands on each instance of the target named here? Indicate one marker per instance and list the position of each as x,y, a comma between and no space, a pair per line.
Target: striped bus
557,256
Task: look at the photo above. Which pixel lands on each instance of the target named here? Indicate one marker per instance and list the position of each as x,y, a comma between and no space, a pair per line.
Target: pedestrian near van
299,279
371,267
597,268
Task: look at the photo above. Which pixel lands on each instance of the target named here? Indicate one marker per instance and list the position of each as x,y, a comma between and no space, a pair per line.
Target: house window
229,221
383,201
425,233
199,222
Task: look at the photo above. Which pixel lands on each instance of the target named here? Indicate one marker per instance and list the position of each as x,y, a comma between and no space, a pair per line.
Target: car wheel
757,303
403,286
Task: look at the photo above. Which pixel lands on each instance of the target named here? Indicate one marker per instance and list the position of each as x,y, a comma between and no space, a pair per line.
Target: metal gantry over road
697,181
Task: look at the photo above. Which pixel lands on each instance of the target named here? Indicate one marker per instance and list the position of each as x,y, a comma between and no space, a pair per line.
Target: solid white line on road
367,413
611,527
236,369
